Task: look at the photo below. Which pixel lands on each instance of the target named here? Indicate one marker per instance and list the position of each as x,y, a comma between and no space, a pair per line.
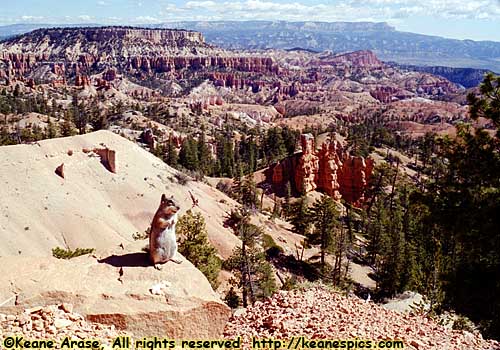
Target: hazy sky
461,19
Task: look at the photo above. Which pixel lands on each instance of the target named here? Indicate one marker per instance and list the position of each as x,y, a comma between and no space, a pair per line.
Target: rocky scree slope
318,313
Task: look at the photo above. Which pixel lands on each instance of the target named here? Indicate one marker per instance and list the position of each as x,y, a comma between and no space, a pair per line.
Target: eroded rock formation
60,170
306,172
80,52
330,169
353,178
107,158
363,58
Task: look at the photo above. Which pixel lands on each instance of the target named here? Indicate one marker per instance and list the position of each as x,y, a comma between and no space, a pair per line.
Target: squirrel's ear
163,198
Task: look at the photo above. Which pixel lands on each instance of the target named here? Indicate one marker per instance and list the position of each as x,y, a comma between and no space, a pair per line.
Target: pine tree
248,153
171,156
254,274
17,90
204,154
248,192
324,217
51,131
225,156
188,155
232,299
67,125
195,246
288,196
290,138
274,146
79,115
300,216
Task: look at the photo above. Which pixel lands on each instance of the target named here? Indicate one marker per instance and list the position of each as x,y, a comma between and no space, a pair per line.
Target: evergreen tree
232,299
195,246
5,137
51,131
324,217
248,153
247,192
465,202
37,133
287,204
170,153
204,154
79,115
274,146
17,90
67,125
188,155
98,119
300,216
290,138
254,274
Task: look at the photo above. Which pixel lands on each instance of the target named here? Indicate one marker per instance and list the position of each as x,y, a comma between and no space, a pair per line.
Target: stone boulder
108,158
60,170
121,289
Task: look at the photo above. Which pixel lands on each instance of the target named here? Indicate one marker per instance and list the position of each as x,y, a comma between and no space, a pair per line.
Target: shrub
232,299
195,246
225,186
290,283
271,248
140,236
61,253
182,178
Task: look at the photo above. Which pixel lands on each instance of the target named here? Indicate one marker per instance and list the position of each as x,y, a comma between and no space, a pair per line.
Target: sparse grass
290,283
225,187
462,323
61,253
182,178
140,236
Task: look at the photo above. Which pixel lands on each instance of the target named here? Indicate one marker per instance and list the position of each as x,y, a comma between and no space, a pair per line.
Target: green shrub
61,253
271,248
195,246
290,283
232,299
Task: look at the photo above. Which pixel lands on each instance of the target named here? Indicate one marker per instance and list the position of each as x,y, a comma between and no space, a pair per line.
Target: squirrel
162,241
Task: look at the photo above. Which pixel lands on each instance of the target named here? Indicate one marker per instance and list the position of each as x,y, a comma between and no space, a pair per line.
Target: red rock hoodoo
330,169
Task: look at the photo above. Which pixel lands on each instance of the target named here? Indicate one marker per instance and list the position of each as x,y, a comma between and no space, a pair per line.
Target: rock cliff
78,53
363,58
330,169
70,43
